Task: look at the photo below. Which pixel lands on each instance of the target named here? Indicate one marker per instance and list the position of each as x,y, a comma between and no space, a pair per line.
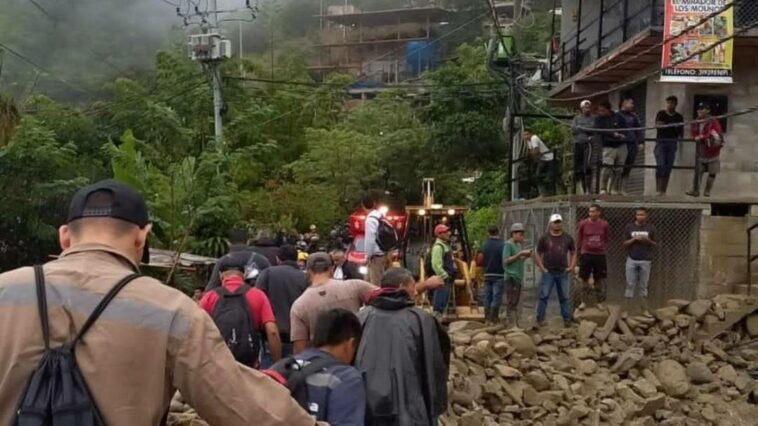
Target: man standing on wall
556,258
635,139
583,148
666,143
610,128
709,137
640,240
546,163
592,237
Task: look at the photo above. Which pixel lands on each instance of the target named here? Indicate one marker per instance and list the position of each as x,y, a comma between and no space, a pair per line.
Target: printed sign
712,66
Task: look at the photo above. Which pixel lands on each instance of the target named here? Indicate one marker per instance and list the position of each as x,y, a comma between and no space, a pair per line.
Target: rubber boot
495,315
487,318
709,185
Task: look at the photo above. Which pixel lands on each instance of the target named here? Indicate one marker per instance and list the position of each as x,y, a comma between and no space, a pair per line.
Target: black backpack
57,393
386,235
235,322
293,374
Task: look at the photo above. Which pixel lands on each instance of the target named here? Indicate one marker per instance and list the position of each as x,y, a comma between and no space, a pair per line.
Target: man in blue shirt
336,394
494,282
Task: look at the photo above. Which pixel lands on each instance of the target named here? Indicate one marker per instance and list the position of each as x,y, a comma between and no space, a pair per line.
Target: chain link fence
675,267
745,13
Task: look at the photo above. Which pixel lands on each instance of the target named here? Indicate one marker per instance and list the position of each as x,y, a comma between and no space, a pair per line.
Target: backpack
252,270
291,372
448,263
57,393
386,235
235,322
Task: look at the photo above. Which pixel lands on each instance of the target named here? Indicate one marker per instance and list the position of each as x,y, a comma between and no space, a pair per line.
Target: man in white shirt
545,174
376,259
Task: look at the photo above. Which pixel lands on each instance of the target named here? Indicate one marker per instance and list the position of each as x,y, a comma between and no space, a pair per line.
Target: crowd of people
606,144
557,256
267,343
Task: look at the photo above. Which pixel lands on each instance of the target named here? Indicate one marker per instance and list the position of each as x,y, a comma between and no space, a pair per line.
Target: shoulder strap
39,281
102,305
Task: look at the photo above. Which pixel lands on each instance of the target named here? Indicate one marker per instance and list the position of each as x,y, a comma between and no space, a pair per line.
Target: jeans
493,292
266,360
637,277
559,280
441,297
665,155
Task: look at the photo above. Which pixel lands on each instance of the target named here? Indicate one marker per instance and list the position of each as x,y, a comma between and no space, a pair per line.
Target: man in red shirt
261,314
708,135
592,238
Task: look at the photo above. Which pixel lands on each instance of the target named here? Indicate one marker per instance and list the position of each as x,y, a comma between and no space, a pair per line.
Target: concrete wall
723,265
739,158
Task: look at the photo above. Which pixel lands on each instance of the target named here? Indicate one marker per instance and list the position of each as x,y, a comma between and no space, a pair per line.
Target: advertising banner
712,66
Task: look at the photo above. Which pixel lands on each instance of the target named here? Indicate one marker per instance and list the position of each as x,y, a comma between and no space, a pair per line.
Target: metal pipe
578,34
552,38
600,31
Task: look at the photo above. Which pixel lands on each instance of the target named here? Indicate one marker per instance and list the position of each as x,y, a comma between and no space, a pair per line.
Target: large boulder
461,326
667,313
751,323
673,377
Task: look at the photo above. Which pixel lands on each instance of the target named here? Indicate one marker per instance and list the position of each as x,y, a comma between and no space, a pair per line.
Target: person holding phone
513,261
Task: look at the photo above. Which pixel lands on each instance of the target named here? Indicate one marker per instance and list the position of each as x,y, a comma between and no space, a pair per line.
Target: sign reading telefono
712,60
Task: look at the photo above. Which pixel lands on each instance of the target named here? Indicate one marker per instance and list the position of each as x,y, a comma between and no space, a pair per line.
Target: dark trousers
631,157
583,166
665,155
546,177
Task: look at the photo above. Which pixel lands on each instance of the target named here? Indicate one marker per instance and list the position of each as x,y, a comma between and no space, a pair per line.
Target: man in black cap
242,255
149,341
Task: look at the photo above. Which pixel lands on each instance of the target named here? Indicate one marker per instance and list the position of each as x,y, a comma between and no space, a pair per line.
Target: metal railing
560,176
609,26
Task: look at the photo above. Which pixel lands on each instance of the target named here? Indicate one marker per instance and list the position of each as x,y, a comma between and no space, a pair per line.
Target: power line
388,86
658,71
40,68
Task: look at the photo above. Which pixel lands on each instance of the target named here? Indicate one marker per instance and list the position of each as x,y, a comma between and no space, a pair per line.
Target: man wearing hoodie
406,381
635,139
610,126
583,152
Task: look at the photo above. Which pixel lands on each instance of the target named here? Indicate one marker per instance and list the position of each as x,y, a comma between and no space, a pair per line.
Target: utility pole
210,48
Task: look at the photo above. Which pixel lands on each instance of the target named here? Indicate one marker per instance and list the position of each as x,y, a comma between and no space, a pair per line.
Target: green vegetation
292,155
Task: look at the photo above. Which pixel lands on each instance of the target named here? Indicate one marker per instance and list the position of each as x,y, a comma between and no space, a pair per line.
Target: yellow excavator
419,238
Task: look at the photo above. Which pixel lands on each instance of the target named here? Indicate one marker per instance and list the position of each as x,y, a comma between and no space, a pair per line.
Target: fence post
577,61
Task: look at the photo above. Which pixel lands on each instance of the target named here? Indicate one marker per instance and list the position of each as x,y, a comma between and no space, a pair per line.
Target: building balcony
598,35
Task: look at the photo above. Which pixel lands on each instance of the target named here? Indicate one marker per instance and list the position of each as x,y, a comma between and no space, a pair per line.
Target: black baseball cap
703,105
113,199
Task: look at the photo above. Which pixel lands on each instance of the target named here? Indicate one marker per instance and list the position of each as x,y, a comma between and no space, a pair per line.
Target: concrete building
704,241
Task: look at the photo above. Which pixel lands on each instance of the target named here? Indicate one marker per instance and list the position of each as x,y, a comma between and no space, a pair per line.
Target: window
719,106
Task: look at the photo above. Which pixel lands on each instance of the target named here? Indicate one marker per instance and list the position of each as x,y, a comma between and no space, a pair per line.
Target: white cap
556,218
584,103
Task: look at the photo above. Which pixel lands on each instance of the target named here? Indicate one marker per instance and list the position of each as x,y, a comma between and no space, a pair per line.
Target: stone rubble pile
687,363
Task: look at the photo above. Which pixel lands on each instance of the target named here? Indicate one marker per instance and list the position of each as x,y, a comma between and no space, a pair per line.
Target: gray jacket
404,356
582,136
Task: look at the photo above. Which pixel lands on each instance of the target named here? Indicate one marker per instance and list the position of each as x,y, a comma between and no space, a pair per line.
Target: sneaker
567,324
692,193
604,192
706,194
